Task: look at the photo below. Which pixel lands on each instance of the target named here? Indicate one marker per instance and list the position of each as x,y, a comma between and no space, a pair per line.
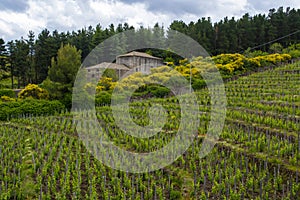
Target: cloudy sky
17,17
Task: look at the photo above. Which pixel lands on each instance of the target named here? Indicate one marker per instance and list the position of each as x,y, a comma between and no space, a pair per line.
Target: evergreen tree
294,24
21,62
18,59
3,55
64,68
62,73
44,51
31,44
246,32
12,54
222,42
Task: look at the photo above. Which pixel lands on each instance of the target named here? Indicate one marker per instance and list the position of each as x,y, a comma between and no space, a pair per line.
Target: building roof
107,65
138,54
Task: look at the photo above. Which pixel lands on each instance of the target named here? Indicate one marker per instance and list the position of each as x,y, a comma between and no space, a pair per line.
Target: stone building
138,61
95,71
142,62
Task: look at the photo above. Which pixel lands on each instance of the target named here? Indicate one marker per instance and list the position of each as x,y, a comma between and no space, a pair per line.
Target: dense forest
28,59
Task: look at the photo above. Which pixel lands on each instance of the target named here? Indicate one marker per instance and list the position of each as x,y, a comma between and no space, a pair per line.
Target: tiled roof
139,54
107,65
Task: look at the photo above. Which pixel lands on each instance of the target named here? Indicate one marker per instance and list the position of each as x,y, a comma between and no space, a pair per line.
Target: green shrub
198,84
7,92
175,194
159,91
254,54
29,106
103,98
293,50
294,53
67,100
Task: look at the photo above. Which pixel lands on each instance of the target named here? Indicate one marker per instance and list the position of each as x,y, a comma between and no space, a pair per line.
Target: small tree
62,73
276,48
110,73
64,68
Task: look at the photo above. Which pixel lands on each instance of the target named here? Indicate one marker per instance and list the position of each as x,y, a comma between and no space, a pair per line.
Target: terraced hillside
256,157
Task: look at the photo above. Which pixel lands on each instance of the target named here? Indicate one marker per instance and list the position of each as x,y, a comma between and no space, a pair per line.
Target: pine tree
31,44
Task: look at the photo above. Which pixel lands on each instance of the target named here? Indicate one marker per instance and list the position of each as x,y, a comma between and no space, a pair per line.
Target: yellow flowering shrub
105,83
171,64
286,56
232,62
254,62
113,85
131,82
229,62
100,88
183,62
6,99
271,58
161,69
33,91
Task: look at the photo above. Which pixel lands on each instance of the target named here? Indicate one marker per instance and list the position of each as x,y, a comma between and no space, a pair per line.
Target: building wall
95,73
140,62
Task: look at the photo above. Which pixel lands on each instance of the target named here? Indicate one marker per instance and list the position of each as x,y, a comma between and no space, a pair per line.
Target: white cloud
17,24
5,29
264,6
222,8
72,15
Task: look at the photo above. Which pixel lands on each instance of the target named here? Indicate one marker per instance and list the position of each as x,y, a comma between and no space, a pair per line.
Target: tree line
236,35
28,59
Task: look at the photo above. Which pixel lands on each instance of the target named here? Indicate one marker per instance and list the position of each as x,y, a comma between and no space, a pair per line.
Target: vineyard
256,157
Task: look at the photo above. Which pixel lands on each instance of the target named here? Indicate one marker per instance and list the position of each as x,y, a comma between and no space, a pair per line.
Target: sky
17,17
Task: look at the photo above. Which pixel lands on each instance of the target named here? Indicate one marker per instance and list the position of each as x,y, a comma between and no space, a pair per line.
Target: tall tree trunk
18,82
36,75
12,77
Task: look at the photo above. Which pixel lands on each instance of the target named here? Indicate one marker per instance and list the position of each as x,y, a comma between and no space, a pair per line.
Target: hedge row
29,106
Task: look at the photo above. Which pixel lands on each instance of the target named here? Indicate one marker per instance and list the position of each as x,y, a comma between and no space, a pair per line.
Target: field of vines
256,157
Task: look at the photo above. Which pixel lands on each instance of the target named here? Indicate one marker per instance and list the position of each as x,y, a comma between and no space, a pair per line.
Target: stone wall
141,62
